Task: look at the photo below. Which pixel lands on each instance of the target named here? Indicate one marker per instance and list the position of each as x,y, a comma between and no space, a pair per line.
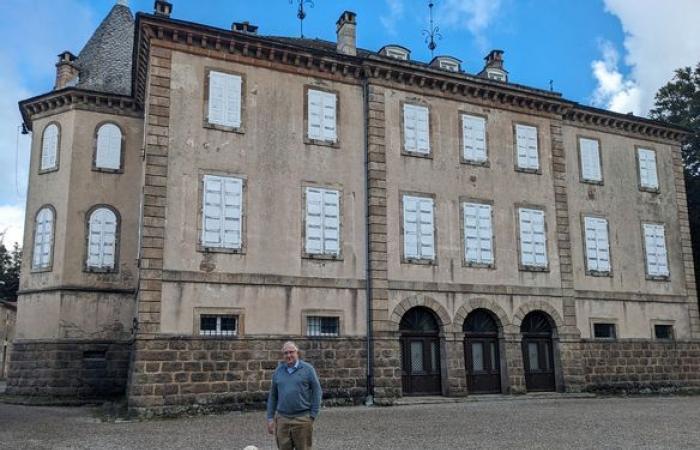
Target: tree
678,102
9,271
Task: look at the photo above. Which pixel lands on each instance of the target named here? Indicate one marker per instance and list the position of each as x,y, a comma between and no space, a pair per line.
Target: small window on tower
604,331
218,325
663,332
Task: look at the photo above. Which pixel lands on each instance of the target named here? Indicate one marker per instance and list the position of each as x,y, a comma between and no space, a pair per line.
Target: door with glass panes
420,353
536,331
481,353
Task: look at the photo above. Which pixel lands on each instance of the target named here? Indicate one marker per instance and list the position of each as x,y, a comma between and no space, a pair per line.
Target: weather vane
301,13
433,33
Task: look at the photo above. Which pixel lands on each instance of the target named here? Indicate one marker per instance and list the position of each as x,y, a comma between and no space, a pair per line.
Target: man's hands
271,426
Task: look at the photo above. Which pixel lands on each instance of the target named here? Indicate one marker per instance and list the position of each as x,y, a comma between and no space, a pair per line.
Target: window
218,325
418,228
655,248
449,64
43,239
394,51
322,326
663,332
49,148
590,160
597,245
648,178
224,99
322,123
526,143
102,239
496,75
533,243
322,221
474,138
478,234
222,210
415,129
108,154
604,330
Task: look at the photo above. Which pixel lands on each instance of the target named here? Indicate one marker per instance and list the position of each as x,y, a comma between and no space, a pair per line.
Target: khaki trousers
294,433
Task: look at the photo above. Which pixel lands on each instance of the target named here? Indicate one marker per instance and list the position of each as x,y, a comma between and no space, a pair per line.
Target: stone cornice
74,98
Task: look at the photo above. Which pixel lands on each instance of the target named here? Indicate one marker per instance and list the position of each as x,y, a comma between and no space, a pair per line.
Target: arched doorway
538,360
481,353
420,352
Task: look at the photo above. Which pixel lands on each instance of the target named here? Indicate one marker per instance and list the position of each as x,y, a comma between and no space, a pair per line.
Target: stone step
431,400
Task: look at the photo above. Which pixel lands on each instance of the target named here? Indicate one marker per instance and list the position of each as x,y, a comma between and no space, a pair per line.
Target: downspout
369,400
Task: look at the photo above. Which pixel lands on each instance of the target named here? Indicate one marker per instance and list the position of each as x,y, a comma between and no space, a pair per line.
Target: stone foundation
68,369
176,375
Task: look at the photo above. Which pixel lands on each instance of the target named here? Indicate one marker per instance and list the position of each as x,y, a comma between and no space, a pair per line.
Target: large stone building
199,195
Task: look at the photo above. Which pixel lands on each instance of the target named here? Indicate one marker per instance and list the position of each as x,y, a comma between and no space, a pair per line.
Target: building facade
199,195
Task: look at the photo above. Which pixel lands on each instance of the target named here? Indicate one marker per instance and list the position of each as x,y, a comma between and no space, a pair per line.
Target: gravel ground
653,422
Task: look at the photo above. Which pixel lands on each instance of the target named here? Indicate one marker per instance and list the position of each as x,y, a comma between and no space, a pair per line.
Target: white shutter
419,227
655,245
427,229
648,176
597,244
232,94
533,242
224,99
590,160
43,239
474,138
410,227
222,210
49,147
109,146
331,222
478,234
423,132
329,116
322,221
102,236
315,114
322,115
416,124
526,143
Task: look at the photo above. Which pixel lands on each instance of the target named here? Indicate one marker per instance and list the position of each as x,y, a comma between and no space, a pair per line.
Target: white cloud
11,224
474,15
659,38
395,13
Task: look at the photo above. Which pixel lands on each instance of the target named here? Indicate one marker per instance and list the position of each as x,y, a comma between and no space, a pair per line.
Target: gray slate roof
105,61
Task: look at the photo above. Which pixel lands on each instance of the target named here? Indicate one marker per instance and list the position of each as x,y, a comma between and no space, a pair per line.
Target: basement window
663,332
218,325
322,326
604,331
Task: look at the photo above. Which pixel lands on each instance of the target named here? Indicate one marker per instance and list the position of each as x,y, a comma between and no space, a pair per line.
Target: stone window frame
657,189
521,266
462,160
418,261
595,273
200,209
600,182
417,101
648,277
117,240
122,150
199,311
670,323
319,142
322,257
205,102
540,142
465,263
607,321
49,267
58,148
324,312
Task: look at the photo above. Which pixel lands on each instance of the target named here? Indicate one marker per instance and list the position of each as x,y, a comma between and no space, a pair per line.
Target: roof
105,61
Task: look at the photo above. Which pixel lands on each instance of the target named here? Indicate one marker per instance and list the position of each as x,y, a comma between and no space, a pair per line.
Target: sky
613,54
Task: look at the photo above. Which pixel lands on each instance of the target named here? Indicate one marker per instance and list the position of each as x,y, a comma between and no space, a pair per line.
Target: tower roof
105,61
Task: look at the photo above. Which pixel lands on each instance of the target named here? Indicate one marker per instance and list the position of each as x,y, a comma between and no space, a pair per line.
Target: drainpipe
369,400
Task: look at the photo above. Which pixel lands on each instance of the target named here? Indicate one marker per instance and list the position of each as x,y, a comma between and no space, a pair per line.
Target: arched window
49,148
102,239
108,154
43,239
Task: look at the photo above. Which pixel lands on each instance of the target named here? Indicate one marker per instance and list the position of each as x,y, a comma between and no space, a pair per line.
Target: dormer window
396,51
495,75
446,63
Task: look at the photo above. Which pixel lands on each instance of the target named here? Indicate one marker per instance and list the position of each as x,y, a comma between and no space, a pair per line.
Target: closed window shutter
410,227
655,244
322,221
416,129
43,239
474,138
222,210
419,228
533,243
109,145
331,222
224,99
409,128
478,234
315,110
49,147
422,127
526,141
647,168
597,244
590,160
102,235
233,101
329,116
231,226
314,221
427,229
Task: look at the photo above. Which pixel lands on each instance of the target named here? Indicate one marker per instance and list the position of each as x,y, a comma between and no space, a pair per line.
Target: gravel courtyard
654,422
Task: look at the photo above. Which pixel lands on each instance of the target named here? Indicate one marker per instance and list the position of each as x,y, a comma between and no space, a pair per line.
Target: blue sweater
296,394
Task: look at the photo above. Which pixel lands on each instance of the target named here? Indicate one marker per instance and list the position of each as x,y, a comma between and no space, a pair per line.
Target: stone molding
425,301
538,305
177,276
481,303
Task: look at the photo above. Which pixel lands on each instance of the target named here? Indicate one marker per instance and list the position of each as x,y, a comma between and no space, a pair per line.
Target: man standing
294,401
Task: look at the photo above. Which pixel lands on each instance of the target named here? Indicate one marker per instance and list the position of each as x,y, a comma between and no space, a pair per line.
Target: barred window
322,326
604,331
218,325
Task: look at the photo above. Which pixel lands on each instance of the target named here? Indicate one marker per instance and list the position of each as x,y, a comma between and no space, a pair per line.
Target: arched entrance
538,358
481,353
420,352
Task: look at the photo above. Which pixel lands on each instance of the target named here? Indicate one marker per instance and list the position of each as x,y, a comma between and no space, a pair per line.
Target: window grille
322,326
218,325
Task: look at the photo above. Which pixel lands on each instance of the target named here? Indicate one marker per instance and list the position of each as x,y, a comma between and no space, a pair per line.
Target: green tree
9,271
678,102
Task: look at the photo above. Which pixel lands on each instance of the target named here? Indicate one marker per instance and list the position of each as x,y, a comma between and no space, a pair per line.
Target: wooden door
483,366
421,365
538,362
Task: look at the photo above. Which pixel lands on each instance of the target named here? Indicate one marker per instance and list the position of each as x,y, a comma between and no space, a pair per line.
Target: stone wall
178,375
69,369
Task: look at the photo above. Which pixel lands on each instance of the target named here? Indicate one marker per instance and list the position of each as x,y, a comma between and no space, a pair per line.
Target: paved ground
659,422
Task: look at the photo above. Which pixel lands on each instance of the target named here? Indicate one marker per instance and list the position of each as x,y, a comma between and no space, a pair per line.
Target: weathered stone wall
189,374
75,370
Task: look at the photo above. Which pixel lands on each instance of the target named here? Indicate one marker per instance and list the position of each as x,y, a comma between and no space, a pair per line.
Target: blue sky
612,54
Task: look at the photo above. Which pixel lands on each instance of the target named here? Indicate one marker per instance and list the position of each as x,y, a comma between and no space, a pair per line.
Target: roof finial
433,33
301,13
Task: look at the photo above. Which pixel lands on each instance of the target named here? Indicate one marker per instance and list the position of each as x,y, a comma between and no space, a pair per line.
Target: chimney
66,71
493,69
244,27
494,59
347,36
162,8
